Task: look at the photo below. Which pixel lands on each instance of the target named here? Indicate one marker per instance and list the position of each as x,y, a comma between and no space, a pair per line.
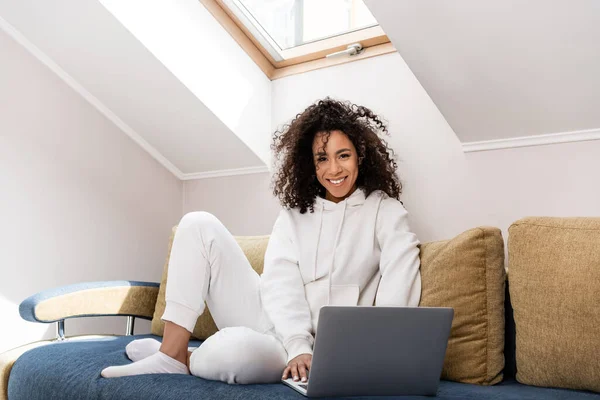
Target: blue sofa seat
71,370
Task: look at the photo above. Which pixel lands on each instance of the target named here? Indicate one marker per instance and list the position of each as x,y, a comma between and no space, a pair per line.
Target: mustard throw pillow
554,283
466,273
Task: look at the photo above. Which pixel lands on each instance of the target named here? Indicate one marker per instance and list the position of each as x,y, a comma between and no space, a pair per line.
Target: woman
354,247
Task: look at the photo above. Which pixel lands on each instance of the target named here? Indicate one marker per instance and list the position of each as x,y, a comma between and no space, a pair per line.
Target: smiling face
336,165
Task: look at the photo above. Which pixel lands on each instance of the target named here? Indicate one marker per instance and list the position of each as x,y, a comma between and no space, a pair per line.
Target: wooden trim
374,51
243,28
239,36
308,57
328,45
321,54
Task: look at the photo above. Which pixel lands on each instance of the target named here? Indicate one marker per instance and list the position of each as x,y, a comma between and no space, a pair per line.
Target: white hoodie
359,251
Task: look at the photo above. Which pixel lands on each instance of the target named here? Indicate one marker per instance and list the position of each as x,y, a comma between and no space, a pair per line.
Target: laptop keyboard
303,386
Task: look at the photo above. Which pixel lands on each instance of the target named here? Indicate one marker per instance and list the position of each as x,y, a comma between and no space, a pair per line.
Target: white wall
432,167
243,203
80,200
445,190
561,180
397,96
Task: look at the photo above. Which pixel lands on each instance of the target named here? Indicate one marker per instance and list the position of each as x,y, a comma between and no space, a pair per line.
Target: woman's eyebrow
322,153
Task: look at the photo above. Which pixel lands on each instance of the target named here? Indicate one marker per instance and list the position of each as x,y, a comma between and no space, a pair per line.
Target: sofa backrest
465,273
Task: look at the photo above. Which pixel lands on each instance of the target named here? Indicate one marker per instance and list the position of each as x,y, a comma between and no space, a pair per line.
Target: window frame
303,58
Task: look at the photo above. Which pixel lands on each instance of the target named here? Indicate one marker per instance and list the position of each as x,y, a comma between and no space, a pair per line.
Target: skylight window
291,23
293,32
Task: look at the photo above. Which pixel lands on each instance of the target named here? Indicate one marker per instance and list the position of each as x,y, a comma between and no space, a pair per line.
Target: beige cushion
467,273
554,283
109,300
253,246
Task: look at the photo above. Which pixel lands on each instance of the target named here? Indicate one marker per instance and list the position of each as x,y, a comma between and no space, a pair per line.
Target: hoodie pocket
344,295
341,295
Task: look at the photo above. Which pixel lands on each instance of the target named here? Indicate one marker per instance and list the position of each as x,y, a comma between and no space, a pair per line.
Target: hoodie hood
355,199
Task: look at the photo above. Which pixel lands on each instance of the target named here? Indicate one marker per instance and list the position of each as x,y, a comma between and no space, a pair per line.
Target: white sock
158,363
141,348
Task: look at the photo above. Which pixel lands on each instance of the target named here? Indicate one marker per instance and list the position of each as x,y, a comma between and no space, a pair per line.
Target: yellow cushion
554,283
109,300
467,273
253,246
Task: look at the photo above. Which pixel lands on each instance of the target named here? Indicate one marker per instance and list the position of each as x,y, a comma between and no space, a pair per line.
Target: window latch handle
352,50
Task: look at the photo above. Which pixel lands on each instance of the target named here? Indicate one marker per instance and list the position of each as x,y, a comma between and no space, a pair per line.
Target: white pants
207,264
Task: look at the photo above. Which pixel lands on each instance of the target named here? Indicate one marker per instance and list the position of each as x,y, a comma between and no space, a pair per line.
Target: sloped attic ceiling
502,69
91,50
496,70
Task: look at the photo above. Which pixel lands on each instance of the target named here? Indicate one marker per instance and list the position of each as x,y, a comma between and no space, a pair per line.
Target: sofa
531,333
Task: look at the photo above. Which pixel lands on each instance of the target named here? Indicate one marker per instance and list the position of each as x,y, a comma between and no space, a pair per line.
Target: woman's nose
335,167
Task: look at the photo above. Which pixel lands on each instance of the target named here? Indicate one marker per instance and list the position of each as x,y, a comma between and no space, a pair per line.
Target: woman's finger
295,371
302,370
285,373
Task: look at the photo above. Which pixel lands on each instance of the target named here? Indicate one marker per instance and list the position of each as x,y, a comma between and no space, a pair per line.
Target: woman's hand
298,367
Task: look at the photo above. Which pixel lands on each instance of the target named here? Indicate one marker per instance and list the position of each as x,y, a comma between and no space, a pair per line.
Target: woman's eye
321,159
345,155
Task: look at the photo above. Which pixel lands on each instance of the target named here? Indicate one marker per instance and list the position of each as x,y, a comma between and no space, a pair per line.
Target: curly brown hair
295,182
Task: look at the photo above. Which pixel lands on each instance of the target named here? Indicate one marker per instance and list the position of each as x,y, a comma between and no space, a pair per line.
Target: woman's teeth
338,181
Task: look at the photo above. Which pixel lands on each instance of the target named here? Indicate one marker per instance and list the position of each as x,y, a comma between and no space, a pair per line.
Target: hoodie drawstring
334,250
317,246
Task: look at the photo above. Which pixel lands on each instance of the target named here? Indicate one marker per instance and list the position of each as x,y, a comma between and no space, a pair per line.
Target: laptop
377,351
